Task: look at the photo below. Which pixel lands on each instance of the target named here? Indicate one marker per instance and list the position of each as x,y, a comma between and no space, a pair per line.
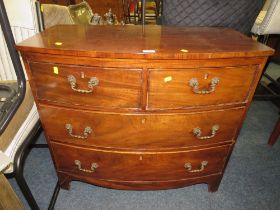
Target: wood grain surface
140,131
139,166
118,87
143,111
156,42
171,88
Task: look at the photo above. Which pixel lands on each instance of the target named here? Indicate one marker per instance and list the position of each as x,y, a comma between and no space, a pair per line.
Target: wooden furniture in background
274,42
275,133
133,11
8,198
127,110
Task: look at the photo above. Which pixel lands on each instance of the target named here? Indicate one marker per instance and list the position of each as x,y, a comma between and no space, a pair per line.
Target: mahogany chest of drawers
128,108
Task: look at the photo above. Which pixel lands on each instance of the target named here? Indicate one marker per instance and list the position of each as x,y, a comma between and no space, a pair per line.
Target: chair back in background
268,21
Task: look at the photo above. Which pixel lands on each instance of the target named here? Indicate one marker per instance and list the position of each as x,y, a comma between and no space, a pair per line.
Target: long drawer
140,131
183,88
102,164
90,87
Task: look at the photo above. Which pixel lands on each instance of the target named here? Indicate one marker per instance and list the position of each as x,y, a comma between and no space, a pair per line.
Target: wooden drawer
116,87
172,88
103,164
139,131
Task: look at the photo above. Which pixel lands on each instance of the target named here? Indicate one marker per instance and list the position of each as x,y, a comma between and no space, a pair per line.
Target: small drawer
199,87
102,164
89,87
140,131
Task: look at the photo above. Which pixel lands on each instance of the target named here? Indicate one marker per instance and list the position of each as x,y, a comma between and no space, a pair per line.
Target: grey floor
251,180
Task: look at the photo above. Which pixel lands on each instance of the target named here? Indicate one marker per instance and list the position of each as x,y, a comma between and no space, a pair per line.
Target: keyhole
82,75
206,76
141,158
143,121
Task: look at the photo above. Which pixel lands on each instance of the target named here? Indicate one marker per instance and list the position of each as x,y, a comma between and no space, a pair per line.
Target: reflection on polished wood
128,41
144,126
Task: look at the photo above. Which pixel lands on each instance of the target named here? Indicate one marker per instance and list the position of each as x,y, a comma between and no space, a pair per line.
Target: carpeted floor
251,180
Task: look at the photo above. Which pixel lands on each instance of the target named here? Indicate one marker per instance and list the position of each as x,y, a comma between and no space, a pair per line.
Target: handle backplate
85,135
92,169
212,86
91,83
198,132
188,166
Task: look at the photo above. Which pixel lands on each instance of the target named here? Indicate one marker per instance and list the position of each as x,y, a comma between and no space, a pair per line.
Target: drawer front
102,164
135,131
199,87
87,86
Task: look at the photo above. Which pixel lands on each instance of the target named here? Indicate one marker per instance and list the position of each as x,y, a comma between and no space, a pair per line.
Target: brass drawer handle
92,169
188,166
212,86
197,132
91,83
87,131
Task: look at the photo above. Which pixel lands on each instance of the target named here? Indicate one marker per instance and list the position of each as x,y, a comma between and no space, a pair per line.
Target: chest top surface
154,42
